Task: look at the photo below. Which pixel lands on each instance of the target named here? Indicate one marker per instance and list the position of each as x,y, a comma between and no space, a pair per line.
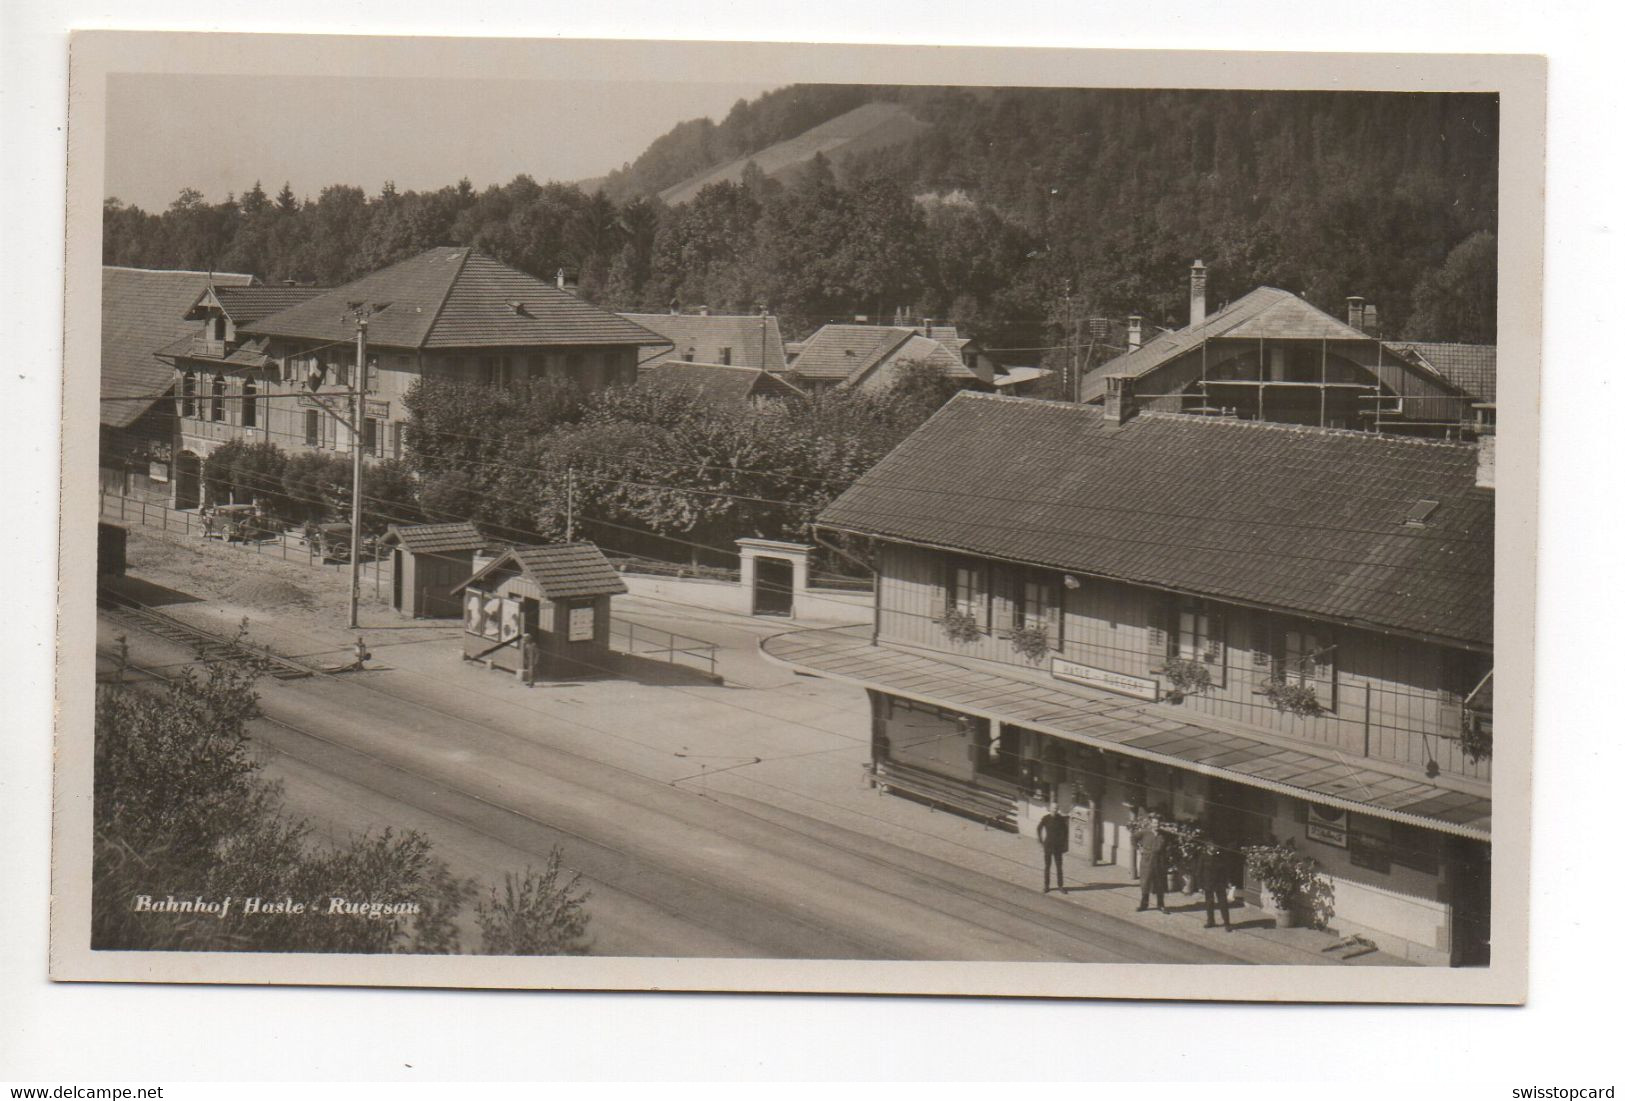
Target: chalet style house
450,313
144,310
1275,630
736,340
1269,355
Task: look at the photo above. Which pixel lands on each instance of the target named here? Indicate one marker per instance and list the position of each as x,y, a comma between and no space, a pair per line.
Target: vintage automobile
332,542
241,523
233,523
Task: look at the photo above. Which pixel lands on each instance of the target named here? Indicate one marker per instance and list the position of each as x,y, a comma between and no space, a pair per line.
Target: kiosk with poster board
556,595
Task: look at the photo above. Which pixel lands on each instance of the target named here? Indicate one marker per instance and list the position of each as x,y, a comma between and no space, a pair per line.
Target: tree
181,812
255,200
538,914
317,486
389,495
1456,302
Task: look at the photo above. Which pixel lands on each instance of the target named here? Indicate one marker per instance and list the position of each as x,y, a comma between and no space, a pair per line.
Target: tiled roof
143,310
1469,366
455,298
753,340
563,570
719,382
840,351
947,334
1264,313
1307,520
435,538
850,352
247,304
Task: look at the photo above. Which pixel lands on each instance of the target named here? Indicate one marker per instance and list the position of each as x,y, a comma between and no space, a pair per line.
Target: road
673,871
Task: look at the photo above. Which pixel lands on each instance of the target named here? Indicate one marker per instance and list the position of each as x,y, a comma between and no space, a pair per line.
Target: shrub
1186,677
1031,643
961,626
1300,699
538,914
1476,742
1294,879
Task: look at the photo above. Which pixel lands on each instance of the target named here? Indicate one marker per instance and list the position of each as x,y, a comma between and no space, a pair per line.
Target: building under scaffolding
1272,356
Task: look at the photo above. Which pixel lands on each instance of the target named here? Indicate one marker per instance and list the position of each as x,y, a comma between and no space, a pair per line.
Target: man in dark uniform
1213,876
529,658
1153,863
1052,835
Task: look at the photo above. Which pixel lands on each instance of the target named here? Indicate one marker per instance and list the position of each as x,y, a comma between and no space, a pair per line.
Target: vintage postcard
693,516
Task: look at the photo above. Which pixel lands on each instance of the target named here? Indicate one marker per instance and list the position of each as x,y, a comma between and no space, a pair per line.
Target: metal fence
642,641
288,546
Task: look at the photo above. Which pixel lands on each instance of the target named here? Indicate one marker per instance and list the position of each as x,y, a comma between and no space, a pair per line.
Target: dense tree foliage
1016,213
181,812
655,470
310,485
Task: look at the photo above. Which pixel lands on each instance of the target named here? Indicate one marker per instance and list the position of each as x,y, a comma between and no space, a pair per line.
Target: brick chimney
1198,293
1356,312
1486,459
705,311
1370,327
1119,401
1134,332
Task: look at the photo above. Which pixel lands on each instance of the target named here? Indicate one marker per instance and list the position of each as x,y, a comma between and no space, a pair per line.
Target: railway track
209,645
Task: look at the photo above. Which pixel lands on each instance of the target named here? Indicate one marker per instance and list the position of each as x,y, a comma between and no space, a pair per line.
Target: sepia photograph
579,515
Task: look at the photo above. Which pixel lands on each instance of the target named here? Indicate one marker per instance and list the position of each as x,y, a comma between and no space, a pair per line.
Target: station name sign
375,407
1141,688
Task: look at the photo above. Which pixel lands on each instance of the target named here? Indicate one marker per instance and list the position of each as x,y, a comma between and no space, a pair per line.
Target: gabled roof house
1272,631
739,340
1270,355
867,357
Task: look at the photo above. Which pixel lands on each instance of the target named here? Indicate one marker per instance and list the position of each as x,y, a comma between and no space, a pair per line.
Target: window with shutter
967,594
1460,673
1054,620
1306,658
941,580
1157,639
1259,643
1037,606
1007,606
1215,654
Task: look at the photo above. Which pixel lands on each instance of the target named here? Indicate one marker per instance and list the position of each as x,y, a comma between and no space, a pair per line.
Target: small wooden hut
429,561
558,594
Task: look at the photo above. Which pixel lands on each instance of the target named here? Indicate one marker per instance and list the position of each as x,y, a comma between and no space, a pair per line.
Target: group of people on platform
1159,846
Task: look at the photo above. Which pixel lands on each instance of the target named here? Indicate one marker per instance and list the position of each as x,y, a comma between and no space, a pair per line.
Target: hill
870,127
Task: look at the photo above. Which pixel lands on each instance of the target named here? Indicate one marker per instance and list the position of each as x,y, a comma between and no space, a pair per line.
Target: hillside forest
1014,212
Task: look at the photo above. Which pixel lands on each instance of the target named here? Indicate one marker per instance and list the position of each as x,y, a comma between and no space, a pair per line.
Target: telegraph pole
357,439
570,504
